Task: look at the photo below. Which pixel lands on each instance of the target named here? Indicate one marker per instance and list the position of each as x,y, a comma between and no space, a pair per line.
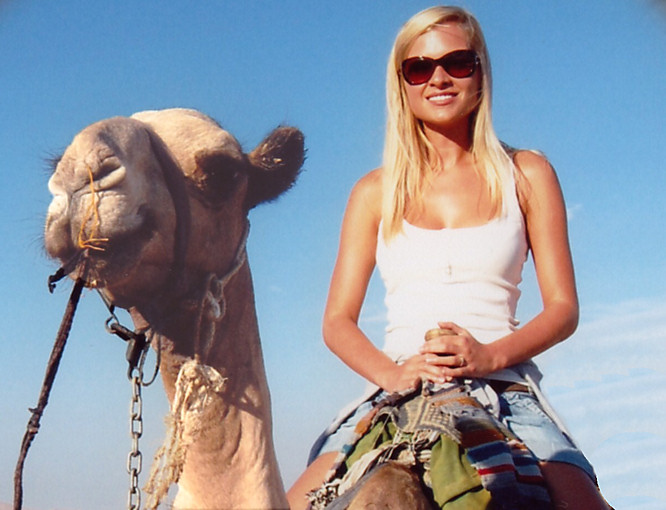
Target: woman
448,219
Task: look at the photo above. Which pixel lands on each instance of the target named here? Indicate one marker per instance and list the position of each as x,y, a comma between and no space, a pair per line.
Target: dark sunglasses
458,64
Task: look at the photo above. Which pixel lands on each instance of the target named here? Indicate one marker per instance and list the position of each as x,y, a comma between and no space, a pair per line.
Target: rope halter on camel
213,305
196,386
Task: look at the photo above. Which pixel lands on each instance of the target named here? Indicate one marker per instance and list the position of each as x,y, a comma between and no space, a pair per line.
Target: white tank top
469,276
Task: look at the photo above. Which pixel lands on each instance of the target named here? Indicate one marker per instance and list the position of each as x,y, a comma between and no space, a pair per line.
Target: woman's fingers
413,371
451,326
432,365
444,348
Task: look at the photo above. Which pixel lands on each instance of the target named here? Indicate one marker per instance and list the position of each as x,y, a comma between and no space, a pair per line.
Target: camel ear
274,165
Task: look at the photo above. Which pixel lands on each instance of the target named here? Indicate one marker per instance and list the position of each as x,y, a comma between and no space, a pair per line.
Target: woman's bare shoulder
532,163
371,182
368,191
535,177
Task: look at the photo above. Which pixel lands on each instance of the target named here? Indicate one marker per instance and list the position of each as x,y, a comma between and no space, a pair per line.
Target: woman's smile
442,98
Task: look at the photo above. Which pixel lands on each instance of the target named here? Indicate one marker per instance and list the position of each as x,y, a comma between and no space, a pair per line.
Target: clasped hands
448,352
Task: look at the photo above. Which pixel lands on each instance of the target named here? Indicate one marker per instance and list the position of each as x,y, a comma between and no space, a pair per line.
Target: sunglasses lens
418,70
458,64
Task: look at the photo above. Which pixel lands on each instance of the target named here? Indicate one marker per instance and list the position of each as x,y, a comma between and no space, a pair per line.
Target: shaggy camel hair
158,204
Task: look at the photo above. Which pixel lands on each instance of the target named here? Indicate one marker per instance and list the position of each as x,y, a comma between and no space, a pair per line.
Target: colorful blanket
466,458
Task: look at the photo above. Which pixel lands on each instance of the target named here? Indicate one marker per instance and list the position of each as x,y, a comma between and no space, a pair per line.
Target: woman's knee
571,487
311,479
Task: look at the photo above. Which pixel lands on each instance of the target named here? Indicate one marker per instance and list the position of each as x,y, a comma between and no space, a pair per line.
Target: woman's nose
440,76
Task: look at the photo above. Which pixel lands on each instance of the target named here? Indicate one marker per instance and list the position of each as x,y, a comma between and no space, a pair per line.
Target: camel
154,208
151,210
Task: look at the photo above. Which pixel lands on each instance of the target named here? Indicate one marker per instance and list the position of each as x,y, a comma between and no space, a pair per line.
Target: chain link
135,458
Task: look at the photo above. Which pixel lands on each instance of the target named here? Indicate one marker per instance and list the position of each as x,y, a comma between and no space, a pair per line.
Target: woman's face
443,102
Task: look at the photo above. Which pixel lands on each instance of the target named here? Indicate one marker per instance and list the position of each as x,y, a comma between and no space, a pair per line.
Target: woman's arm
545,214
353,269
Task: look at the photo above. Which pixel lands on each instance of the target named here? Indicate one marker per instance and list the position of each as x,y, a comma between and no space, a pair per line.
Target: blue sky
582,81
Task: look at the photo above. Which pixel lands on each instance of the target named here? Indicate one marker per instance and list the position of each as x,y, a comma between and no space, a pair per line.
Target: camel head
160,196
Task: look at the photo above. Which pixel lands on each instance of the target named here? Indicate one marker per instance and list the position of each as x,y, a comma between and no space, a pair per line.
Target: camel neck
235,423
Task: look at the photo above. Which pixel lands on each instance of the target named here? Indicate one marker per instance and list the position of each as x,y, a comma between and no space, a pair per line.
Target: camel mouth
108,253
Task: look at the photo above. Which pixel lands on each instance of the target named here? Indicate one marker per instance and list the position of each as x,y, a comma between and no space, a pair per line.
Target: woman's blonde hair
409,157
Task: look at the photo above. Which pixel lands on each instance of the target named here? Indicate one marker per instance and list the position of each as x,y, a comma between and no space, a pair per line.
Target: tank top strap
512,207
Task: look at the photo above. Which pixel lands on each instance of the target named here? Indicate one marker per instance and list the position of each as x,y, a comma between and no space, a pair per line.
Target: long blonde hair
409,157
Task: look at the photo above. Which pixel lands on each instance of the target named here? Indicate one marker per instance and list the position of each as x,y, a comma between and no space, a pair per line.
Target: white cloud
616,340
623,458
607,382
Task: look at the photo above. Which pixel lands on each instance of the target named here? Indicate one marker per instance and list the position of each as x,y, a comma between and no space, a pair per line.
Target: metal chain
135,458
138,344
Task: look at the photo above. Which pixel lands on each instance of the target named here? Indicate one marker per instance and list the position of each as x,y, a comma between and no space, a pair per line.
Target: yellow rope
93,242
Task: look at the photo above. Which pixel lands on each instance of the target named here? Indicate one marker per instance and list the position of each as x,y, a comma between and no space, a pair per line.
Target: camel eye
222,180
221,184
107,166
221,175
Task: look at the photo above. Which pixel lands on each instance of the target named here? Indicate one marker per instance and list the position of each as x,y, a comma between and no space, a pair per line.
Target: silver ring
462,361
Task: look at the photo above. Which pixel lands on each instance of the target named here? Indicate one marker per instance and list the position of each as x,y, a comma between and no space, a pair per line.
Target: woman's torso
469,276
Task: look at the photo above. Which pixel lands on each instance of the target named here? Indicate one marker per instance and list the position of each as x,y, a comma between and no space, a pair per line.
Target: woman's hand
411,373
459,354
